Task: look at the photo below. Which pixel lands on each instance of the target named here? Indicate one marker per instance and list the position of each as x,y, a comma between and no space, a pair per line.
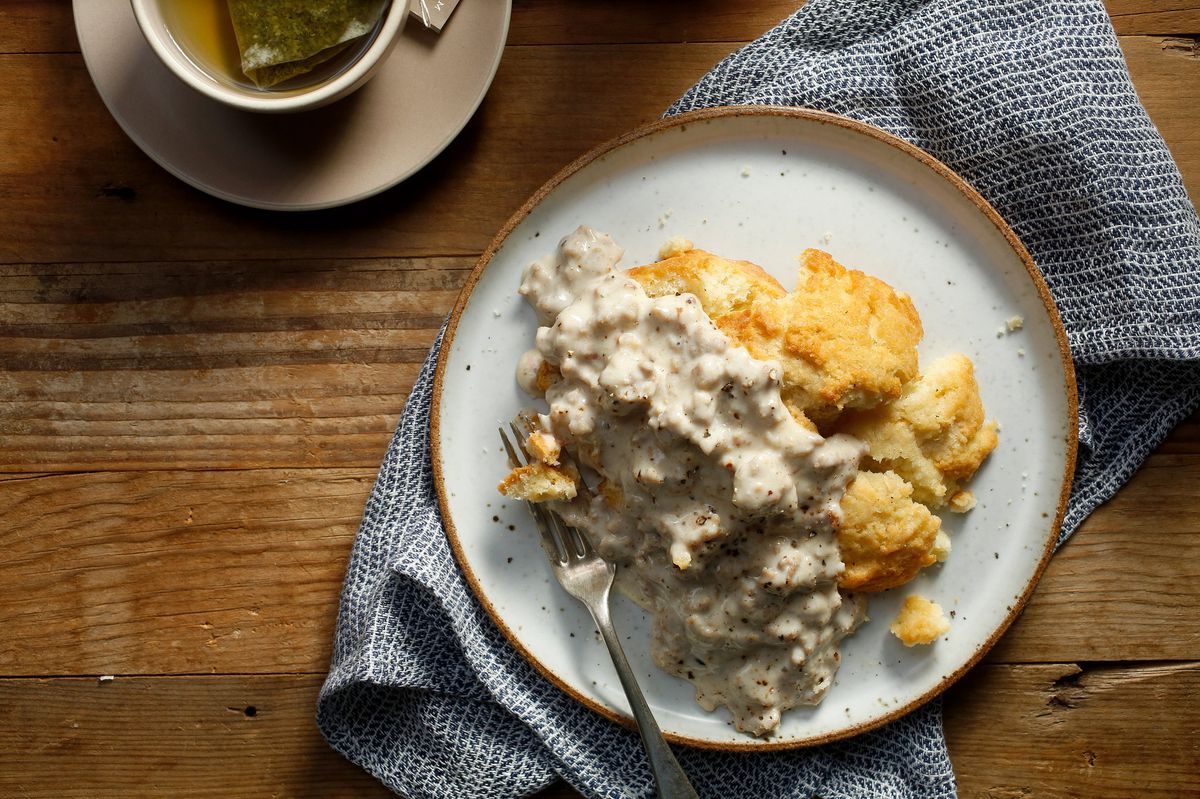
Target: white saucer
414,106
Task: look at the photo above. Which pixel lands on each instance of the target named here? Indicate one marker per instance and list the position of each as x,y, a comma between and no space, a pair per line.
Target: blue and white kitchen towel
1031,102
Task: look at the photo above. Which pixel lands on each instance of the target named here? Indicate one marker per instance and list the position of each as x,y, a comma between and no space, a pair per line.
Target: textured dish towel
1030,102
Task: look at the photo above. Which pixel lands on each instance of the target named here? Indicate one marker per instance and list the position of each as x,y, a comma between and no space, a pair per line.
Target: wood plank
235,417
558,22
213,364
1154,16
625,21
36,26
1025,731
120,205
1082,730
198,737
184,572
239,572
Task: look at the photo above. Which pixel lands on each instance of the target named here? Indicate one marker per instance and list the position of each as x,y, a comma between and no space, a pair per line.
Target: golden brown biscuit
538,482
934,436
844,339
885,538
798,414
941,547
919,621
961,501
544,447
547,375
722,286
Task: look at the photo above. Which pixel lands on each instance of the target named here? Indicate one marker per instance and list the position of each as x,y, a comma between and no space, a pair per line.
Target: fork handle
672,782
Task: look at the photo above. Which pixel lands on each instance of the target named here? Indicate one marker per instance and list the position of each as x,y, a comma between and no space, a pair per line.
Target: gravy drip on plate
717,506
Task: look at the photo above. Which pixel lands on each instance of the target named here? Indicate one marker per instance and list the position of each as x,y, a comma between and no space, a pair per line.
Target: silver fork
588,577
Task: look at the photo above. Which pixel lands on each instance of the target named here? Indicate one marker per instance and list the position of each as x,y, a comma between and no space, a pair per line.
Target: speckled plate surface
762,185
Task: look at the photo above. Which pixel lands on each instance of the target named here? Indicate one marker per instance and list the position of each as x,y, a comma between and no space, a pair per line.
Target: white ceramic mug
154,27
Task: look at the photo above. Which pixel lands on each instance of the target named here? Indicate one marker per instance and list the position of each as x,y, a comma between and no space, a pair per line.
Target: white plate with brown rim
763,184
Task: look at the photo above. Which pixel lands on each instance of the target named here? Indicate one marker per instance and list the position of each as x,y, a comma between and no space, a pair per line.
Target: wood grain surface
194,398
1015,731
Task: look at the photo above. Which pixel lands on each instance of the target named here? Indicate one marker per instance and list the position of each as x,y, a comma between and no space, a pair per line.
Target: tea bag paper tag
432,13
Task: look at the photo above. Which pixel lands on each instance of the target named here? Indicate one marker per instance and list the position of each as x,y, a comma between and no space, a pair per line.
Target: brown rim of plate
680,121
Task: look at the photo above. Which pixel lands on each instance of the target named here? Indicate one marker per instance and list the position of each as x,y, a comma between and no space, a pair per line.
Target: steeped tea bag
280,39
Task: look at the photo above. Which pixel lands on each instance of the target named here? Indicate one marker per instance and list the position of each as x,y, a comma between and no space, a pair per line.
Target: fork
588,577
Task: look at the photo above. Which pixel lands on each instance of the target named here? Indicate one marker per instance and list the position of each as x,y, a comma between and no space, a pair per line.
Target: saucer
357,147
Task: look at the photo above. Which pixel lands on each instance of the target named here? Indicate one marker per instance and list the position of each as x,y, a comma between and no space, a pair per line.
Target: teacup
348,72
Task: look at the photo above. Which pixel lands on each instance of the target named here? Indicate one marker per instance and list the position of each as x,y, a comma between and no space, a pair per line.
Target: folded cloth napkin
1031,102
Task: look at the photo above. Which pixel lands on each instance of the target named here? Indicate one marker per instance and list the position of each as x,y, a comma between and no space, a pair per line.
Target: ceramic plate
763,185
413,107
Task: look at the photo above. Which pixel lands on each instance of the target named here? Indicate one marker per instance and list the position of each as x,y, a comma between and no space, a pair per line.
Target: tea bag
280,39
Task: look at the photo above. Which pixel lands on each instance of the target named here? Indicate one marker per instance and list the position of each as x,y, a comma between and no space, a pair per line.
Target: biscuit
934,436
919,621
544,447
547,375
721,285
843,338
538,482
941,547
885,538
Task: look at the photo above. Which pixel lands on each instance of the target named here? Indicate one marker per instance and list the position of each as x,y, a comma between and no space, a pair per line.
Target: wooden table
195,398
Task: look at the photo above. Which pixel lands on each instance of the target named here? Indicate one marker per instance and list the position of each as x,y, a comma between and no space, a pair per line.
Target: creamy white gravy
718,508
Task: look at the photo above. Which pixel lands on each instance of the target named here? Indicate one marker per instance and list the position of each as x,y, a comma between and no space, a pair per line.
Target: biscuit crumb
745,171
961,501
676,245
538,482
544,447
941,547
547,375
919,621
1015,323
